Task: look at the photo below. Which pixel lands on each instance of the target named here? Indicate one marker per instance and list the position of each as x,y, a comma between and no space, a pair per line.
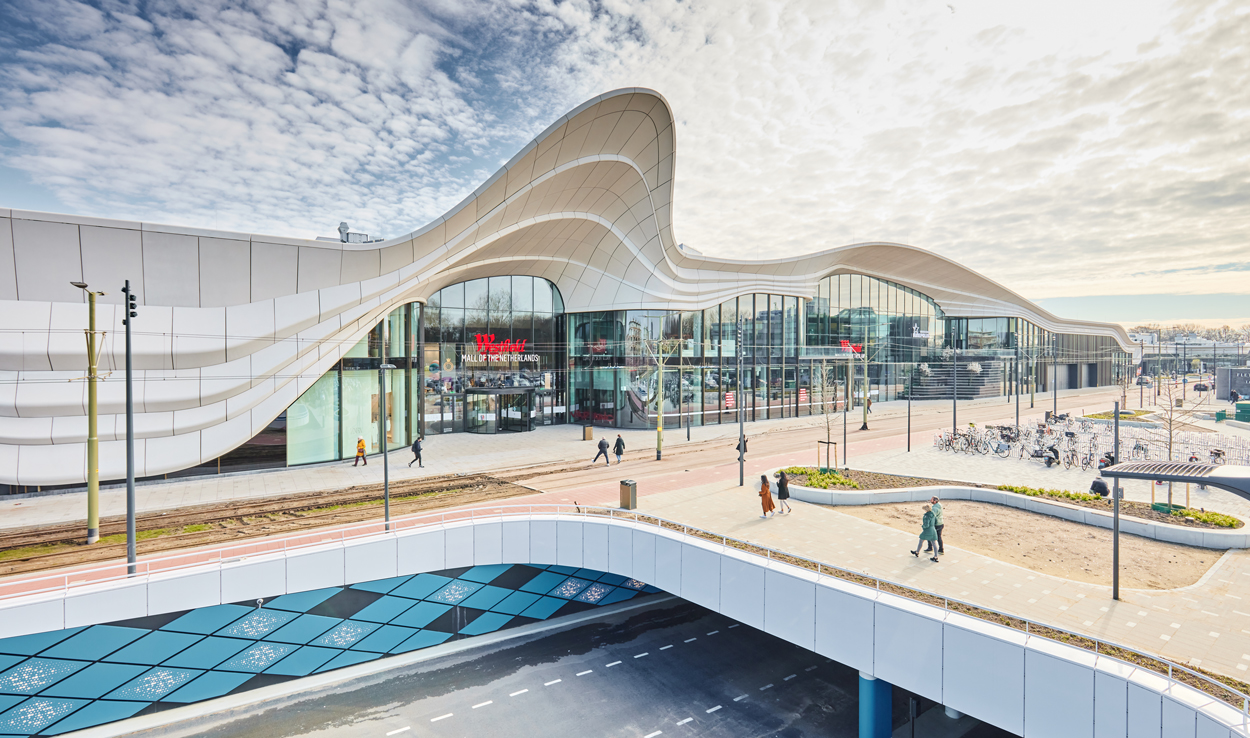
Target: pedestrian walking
360,451
868,404
742,446
766,498
927,533
936,506
1233,397
416,453
603,451
619,448
783,492
1099,487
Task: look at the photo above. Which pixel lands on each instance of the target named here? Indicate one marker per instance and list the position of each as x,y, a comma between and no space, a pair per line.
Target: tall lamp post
93,437
386,472
742,439
131,313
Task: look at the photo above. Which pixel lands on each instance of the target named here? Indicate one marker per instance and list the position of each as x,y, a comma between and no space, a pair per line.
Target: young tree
1171,418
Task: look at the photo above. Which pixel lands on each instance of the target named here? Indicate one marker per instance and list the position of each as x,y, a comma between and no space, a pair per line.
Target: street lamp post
864,350
742,439
386,472
1054,373
131,313
93,438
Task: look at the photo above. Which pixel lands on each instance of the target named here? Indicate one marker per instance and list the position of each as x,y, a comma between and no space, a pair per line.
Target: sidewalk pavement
444,454
1205,624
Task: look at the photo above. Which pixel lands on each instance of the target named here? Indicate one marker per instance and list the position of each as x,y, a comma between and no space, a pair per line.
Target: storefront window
312,423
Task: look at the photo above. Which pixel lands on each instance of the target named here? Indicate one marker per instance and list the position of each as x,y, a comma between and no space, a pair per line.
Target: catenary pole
1115,512
131,565
93,436
741,429
1016,366
386,471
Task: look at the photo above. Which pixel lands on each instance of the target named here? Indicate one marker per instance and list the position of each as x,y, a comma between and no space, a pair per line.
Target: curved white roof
233,327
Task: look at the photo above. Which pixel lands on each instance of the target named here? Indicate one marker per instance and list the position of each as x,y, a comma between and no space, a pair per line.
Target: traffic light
131,305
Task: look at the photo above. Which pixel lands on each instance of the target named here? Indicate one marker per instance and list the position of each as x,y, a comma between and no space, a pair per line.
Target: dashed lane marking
810,668
665,648
553,681
789,677
614,663
514,694
714,709
683,722
584,673
689,640
483,704
441,717
653,735
739,699
401,730
735,625
766,686
644,653
713,632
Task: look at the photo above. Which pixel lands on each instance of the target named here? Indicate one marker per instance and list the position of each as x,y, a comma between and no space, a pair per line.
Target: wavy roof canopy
233,327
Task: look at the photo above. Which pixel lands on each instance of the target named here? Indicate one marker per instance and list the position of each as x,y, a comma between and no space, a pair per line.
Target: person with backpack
619,448
416,453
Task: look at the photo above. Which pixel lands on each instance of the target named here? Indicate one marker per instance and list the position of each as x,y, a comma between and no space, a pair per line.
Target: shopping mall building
555,293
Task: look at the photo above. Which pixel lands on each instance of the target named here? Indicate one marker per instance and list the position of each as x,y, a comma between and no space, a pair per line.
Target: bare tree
1170,419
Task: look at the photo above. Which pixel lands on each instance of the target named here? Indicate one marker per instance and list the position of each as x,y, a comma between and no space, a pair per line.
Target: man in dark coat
416,453
603,451
618,448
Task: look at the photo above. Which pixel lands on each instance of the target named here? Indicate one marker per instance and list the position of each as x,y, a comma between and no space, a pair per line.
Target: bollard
629,494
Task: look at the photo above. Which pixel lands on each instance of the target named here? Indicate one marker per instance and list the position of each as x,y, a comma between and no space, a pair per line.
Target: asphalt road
672,670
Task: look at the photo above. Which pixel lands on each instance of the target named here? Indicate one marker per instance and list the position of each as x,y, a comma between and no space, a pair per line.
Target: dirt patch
875,480
1049,545
37,549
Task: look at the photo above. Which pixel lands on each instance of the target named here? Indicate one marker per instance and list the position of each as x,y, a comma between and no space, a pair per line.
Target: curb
1185,536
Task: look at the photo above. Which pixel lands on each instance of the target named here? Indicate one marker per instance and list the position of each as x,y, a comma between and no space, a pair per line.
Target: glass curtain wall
487,339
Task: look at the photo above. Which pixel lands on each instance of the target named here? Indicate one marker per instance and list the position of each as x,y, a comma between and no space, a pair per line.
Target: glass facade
499,354
494,356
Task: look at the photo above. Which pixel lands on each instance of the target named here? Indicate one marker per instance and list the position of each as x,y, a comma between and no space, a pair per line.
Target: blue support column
875,706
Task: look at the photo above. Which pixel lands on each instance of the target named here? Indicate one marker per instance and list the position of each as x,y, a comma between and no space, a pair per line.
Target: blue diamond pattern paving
61,681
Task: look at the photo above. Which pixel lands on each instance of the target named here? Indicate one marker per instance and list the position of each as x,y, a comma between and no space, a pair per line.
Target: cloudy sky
1074,151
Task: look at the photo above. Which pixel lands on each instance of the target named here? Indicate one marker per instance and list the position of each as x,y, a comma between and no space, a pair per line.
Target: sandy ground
1049,545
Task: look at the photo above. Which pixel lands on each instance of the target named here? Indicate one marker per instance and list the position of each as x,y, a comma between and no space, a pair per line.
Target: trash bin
629,494
1179,402
588,433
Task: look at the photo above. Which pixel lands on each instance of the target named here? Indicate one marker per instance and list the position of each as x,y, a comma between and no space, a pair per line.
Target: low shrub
1210,518
1060,494
821,479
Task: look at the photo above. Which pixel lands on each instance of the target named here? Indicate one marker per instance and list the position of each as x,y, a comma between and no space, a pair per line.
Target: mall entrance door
508,410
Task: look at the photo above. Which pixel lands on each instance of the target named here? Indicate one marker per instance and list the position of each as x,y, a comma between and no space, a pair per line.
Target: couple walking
931,531
783,495
618,449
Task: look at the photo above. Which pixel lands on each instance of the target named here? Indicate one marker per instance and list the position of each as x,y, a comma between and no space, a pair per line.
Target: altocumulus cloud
1064,148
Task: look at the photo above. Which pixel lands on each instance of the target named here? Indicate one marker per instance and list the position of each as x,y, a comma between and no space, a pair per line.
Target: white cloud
1062,148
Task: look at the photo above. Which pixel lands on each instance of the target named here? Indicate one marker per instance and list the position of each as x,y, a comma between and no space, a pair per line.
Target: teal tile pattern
61,681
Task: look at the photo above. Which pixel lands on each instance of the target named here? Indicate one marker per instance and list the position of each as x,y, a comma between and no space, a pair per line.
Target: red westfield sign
852,347
488,346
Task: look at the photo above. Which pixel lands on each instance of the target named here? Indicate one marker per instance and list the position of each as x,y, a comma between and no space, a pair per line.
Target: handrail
146,568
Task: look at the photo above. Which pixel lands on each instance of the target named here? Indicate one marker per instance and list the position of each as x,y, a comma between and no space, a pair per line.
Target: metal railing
218,558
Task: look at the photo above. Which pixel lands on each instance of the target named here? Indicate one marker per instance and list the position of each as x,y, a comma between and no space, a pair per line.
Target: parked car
1201,387
1144,381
